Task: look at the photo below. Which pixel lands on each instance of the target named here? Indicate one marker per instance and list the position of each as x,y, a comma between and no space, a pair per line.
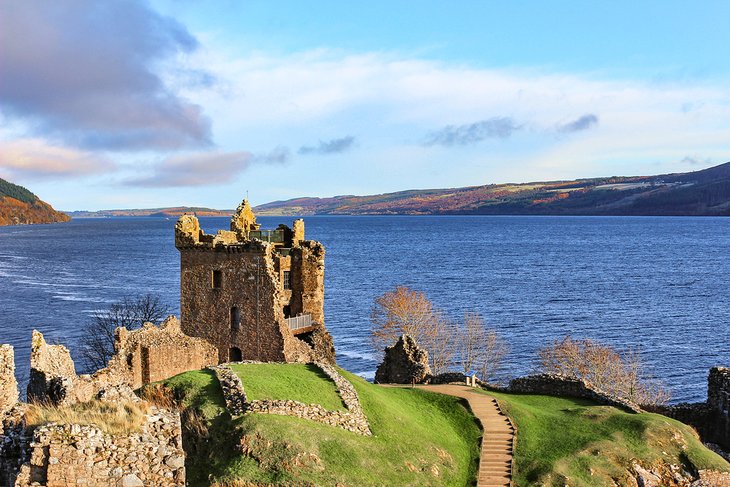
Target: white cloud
33,159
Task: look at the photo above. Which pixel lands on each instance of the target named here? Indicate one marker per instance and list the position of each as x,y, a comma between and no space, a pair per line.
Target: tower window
235,318
217,280
287,280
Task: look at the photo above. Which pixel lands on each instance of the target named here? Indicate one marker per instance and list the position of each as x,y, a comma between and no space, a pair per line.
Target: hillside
419,437
18,206
705,192
170,212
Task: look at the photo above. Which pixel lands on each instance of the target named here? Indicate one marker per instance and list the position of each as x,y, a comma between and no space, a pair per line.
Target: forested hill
18,206
705,192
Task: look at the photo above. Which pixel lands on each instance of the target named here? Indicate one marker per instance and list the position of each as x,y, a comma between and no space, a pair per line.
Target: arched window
234,354
235,318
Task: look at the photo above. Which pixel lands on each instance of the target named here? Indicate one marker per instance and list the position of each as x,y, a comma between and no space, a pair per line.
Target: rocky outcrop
8,384
560,385
403,363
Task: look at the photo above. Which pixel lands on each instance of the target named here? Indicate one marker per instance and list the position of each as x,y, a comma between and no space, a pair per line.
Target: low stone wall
8,384
711,419
559,385
232,387
353,419
72,454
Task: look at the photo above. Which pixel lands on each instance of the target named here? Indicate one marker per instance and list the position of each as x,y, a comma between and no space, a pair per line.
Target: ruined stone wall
559,385
248,282
307,274
141,356
8,384
156,353
70,454
353,419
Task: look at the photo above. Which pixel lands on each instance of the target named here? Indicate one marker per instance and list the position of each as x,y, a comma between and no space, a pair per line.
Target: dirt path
495,464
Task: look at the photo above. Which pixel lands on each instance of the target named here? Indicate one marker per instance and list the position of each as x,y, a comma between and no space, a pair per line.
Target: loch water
658,285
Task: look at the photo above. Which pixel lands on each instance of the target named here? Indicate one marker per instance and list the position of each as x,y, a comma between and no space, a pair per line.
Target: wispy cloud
696,161
581,123
278,155
34,159
88,73
334,146
196,169
493,128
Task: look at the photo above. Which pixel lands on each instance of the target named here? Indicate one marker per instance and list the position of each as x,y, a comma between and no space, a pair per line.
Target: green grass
298,382
419,438
560,441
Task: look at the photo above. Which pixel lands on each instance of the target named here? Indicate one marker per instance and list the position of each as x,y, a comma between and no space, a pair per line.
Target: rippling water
654,284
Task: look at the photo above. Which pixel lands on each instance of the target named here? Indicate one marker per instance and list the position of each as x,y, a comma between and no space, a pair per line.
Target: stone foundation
353,419
69,454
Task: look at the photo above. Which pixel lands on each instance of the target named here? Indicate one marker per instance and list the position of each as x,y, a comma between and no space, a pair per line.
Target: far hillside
705,192
18,206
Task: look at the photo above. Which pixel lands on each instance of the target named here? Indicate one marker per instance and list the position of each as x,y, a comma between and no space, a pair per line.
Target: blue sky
176,102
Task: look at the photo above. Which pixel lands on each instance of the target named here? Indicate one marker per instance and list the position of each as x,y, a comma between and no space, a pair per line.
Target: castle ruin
255,294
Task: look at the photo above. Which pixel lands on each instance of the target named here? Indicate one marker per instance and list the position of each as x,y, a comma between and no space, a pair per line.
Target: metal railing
272,236
298,322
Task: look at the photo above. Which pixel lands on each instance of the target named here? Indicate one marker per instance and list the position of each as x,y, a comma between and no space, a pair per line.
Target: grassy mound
419,438
562,441
297,382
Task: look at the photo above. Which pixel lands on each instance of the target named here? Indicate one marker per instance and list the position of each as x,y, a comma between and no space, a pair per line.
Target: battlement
244,233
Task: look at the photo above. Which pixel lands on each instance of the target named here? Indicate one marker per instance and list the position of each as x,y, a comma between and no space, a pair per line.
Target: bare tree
97,345
480,349
604,368
404,311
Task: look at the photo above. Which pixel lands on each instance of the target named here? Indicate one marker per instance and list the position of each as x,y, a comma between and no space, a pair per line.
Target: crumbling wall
560,385
52,372
307,279
156,353
8,384
72,454
711,419
141,356
403,363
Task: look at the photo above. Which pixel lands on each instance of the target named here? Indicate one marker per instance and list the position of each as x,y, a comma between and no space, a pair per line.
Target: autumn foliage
605,368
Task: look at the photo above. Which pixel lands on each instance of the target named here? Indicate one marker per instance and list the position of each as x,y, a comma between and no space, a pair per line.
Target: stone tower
255,294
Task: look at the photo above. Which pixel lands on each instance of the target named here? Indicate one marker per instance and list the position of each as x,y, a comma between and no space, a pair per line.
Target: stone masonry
8,384
255,294
560,385
353,419
403,363
141,356
71,454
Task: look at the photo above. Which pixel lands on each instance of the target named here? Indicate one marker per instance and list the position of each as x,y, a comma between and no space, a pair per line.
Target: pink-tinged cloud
87,73
33,159
197,169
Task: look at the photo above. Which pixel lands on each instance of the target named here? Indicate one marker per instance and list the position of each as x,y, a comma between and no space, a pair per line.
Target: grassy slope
420,439
560,441
297,382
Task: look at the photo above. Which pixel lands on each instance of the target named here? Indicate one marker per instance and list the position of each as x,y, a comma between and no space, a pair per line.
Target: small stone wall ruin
711,418
146,355
560,385
72,454
353,419
8,383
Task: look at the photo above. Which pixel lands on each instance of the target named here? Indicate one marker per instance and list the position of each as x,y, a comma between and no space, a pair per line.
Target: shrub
603,367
